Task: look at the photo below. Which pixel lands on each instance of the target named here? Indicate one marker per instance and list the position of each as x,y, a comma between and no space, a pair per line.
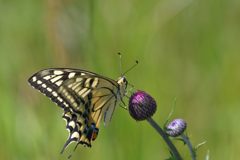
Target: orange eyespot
94,135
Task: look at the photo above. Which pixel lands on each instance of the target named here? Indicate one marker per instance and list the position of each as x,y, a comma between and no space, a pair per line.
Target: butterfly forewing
84,96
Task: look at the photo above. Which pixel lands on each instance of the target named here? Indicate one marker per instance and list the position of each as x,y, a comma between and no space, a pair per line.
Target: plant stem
172,148
191,149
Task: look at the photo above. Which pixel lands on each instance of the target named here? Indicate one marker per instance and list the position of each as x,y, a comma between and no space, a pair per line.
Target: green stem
191,149
172,148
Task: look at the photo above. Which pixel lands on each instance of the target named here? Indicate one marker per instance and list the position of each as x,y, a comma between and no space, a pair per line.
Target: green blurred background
188,50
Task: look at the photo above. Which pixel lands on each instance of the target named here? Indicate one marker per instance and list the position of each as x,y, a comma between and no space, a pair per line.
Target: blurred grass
187,49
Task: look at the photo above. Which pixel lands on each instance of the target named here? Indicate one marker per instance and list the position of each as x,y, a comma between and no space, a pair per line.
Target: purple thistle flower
141,105
176,127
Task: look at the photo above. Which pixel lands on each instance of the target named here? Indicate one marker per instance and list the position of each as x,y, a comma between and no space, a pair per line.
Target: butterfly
85,97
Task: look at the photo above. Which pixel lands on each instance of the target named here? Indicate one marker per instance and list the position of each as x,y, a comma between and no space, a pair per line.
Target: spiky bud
141,105
176,127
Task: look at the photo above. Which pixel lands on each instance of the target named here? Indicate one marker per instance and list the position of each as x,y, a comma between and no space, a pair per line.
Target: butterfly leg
124,107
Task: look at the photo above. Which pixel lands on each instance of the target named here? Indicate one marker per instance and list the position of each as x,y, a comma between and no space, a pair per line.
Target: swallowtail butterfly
85,98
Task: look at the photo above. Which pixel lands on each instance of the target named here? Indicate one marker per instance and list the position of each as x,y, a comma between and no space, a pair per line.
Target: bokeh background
187,49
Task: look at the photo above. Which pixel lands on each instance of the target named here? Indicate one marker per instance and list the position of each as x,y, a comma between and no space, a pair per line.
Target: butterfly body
84,96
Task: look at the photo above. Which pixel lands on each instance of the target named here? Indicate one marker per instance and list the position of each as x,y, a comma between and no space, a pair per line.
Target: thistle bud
176,127
141,105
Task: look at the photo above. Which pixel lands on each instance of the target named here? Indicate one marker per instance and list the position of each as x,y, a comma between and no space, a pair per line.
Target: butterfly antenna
120,63
131,67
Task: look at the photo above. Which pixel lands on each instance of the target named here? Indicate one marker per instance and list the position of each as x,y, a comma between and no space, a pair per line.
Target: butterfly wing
96,93
84,96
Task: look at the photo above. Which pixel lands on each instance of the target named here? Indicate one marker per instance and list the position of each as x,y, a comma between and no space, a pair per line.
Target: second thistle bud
141,105
176,127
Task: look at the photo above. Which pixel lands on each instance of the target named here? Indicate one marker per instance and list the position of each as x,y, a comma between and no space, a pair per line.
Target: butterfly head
122,81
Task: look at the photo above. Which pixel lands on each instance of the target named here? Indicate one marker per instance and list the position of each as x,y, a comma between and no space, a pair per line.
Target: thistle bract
141,105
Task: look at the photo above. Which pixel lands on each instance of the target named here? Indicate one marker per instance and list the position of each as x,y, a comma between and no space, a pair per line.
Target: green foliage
186,49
